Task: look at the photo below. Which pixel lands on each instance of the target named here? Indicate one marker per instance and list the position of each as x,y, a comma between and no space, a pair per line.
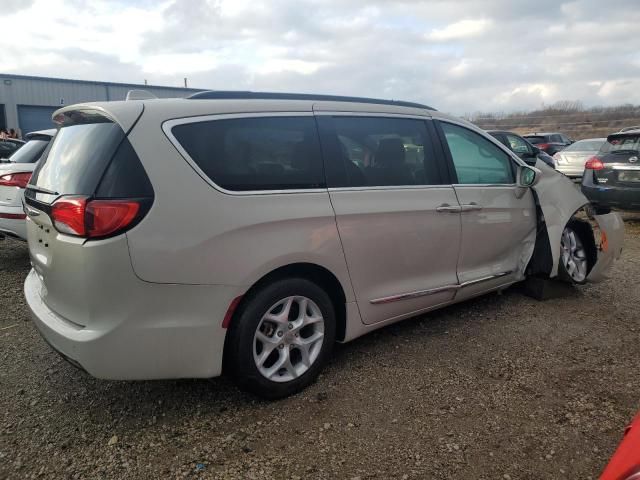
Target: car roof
505,132
628,133
249,95
603,139
41,133
542,134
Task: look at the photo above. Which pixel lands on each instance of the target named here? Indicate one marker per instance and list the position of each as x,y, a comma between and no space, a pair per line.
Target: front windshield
585,146
30,152
625,144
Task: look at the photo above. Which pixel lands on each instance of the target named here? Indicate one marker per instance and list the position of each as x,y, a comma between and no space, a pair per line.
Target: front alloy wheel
573,256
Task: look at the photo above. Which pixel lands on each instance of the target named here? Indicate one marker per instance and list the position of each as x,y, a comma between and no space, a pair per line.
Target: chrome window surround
167,126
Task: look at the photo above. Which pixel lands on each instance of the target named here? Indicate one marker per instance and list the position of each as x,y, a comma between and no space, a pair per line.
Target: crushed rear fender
560,200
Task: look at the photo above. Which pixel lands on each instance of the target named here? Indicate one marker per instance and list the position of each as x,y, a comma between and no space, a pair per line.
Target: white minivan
247,232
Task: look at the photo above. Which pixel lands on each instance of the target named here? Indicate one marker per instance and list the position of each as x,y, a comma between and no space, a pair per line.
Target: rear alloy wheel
574,262
288,339
282,338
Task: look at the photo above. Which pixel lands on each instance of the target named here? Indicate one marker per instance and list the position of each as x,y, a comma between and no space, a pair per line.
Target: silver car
571,160
245,232
15,173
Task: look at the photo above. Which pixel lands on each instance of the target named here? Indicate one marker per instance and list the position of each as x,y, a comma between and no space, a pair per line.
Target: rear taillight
542,146
93,218
105,217
15,179
594,163
68,215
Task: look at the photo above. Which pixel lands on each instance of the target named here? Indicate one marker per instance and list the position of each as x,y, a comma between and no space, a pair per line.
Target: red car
625,463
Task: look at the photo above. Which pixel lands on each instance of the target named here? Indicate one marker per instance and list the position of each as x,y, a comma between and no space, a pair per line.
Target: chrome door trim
446,208
432,291
366,188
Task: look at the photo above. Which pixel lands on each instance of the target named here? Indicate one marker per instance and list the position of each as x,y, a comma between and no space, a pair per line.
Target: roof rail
140,95
248,95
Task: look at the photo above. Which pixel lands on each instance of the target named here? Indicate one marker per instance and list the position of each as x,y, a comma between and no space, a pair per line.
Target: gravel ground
499,387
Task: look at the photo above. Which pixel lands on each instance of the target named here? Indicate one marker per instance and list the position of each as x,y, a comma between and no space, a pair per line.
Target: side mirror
536,150
528,176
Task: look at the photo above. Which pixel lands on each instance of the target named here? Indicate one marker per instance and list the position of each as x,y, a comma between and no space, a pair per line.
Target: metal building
26,103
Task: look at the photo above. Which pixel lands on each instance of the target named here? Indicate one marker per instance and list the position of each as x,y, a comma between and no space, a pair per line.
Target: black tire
584,234
240,347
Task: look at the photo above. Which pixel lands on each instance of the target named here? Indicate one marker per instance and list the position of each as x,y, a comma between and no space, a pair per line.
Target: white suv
247,232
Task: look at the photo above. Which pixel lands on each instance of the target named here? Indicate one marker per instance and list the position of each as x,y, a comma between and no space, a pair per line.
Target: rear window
265,153
535,139
621,144
30,152
584,146
77,158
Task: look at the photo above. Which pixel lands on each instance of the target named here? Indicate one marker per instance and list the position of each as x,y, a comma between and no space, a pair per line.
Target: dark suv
612,177
550,143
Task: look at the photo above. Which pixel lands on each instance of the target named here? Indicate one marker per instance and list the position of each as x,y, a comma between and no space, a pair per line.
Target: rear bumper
570,171
175,332
613,197
12,227
609,243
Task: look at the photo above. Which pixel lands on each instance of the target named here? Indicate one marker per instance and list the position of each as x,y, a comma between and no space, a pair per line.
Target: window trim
328,137
168,125
452,170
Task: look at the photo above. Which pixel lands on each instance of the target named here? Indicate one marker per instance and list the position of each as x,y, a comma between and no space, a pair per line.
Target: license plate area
629,176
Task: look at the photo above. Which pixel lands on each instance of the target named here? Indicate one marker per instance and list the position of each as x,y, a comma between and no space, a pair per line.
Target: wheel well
317,274
585,230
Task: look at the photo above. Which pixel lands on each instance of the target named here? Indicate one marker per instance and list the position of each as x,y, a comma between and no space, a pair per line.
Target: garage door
31,118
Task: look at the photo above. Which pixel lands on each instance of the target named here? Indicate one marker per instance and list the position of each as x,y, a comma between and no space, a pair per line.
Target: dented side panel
559,201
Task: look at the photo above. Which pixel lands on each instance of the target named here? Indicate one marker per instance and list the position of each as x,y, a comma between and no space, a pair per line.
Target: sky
459,56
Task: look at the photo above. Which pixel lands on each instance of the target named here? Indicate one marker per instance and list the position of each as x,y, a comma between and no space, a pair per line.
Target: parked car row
15,173
8,146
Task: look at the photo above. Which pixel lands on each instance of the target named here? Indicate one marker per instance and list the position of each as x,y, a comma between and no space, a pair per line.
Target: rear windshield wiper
41,190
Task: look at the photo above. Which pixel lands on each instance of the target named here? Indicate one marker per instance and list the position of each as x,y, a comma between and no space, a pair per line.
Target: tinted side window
266,153
125,177
385,151
476,159
518,145
556,139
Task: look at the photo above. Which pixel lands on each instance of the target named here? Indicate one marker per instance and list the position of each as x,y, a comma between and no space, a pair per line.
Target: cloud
471,55
459,30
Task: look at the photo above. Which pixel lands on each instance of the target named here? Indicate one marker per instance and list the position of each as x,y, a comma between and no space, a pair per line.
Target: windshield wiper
41,190
625,150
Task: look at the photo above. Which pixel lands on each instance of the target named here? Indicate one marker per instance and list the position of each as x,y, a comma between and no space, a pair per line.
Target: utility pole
185,83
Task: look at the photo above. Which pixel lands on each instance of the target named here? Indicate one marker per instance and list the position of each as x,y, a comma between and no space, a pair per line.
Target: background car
14,176
612,178
571,160
8,147
550,143
521,147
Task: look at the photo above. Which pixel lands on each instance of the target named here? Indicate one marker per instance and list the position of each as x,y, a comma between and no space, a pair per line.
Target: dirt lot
499,387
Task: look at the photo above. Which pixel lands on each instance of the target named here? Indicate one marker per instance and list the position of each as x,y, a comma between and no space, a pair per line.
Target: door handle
471,207
446,208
